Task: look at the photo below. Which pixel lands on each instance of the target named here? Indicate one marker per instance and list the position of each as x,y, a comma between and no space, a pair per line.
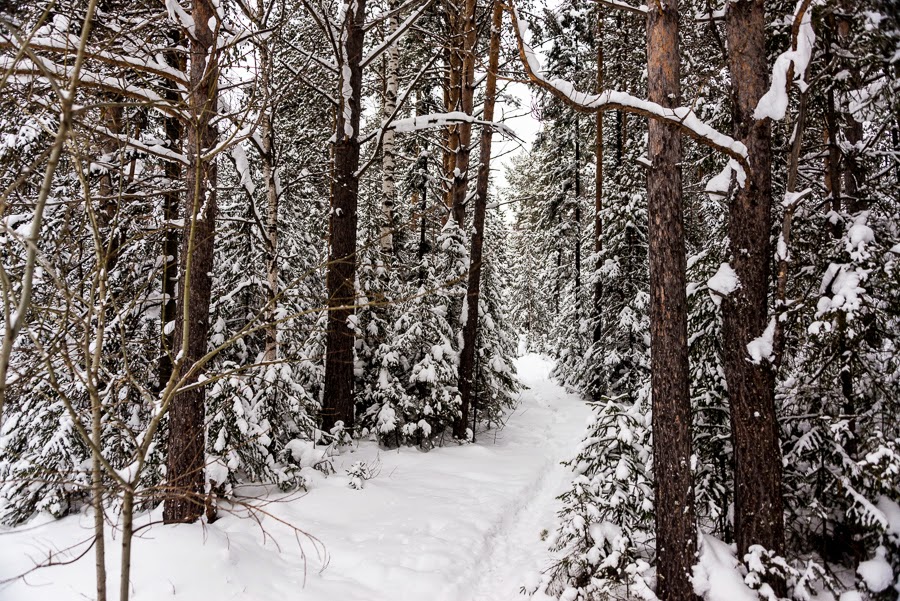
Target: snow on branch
242,165
789,64
46,70
157,150
59,44
682,117
177,14
436,120
638,10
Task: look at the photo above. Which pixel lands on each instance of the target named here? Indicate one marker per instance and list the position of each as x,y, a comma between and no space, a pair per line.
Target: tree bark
577,174
854,172
171,203
470,327
186,452
598,193
462,98
676,533
340,278
758,501
388,167
270,176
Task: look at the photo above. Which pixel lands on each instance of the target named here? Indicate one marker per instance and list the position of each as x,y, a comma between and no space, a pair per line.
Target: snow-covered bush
607,517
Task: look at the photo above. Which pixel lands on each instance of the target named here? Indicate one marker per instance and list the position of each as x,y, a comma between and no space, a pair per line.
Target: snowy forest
448,300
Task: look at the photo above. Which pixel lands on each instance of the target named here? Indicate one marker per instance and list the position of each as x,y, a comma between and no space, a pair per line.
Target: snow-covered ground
459,523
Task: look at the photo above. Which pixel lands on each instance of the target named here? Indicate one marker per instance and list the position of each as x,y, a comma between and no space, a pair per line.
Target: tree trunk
557,286
784,259
186,453
270,176
462,98
272,193
854,173
94,387
676,533
577,295
388,186
758,516
340,279
598,193
470,327
171,202
127,537
422,166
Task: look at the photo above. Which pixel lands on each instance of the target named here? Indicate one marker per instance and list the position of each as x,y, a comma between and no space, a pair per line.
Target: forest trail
452,524
520,551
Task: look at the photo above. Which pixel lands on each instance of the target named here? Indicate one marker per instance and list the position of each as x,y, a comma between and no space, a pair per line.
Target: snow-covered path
454,524
519,550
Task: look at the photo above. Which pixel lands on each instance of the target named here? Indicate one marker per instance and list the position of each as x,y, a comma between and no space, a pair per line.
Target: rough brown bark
757,454
186,453
598,192
470,327
338,400
676,534
854,170
577,211
272,292
171,202
854,182
832,162
461,98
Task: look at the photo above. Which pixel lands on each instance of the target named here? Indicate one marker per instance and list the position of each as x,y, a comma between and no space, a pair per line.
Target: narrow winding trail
519,551
453,524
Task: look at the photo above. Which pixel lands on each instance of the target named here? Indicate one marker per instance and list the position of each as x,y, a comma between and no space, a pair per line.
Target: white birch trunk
388,166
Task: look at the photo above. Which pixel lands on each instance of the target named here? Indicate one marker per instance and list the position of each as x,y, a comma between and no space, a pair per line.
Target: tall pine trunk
598,194
186,453
171,201
675,528
461,98
758,518
577,249
341,275
470,326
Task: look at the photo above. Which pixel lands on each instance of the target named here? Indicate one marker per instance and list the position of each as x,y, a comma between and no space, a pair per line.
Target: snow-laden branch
242,165
638,10
177,14
436,120
60,44
157,150
788,65
395,35
682,117
15,313
46,70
